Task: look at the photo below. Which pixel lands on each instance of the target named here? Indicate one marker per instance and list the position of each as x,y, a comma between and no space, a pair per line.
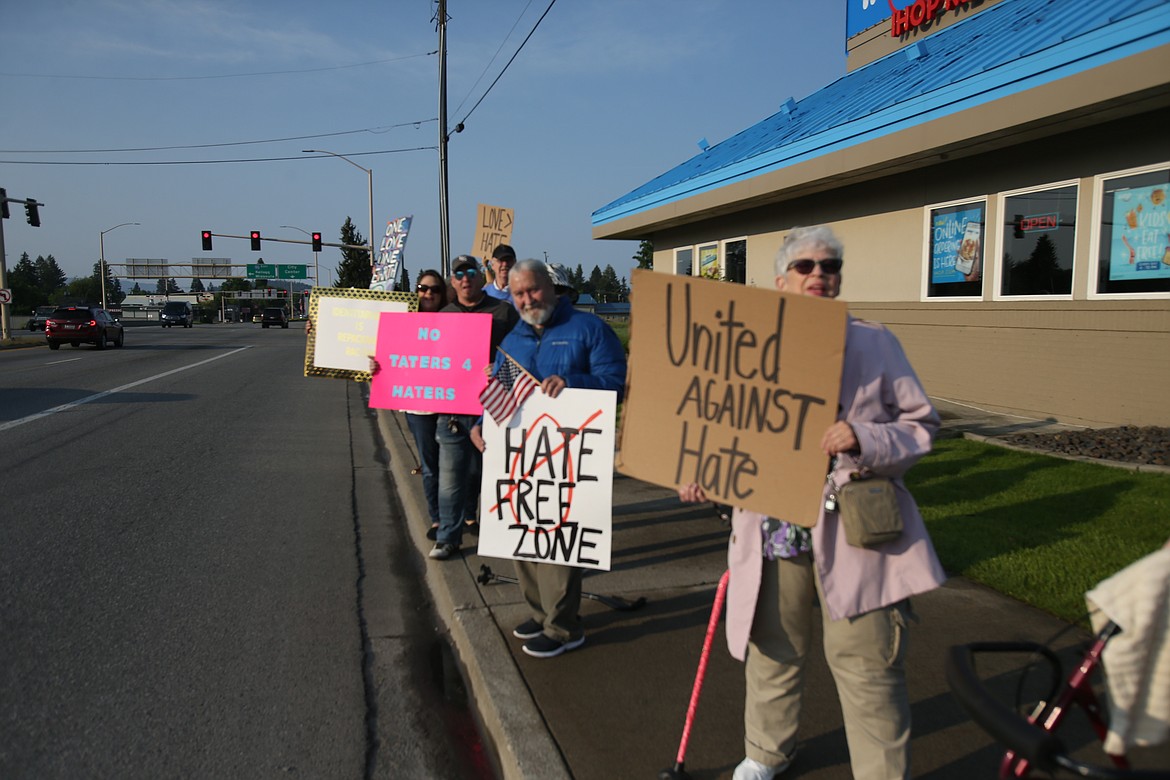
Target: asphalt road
204,572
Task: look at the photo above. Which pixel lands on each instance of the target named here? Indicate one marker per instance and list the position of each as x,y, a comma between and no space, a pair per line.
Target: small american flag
505,391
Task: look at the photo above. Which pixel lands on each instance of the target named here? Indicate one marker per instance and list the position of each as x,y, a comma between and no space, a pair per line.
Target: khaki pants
865,654
553,594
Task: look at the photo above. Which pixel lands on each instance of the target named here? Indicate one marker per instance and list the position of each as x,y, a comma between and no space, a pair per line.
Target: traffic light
31,213
3,203
316,242
255,240
206,240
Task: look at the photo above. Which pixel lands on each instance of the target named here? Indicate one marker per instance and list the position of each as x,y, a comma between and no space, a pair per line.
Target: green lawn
1040,529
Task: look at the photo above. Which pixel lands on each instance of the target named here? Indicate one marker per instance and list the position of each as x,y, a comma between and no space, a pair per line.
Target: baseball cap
503,252
464,261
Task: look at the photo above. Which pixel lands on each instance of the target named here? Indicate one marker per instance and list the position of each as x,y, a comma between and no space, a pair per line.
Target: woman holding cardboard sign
885,424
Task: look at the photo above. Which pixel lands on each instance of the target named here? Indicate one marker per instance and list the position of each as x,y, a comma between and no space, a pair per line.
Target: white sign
5,295
547,490
345,328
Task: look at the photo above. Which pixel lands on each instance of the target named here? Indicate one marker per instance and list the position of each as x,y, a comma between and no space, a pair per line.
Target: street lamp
316,269
102,255
370,180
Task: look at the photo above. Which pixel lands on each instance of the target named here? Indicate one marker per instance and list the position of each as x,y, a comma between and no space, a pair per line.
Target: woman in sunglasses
885,423
432,296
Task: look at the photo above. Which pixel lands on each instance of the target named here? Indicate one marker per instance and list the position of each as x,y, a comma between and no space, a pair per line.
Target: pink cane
677,772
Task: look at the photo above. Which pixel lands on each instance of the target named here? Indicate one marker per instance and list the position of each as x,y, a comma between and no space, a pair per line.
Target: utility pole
31,206
444,227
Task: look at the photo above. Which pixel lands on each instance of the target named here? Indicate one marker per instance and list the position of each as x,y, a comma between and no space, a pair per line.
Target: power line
507,65
483,73
375,130
208,162
223,76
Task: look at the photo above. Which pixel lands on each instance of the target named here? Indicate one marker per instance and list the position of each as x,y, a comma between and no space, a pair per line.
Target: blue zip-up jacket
574,345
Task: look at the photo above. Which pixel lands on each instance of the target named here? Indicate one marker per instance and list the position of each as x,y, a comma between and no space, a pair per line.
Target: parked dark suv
40,316
83,324
176,313
273,316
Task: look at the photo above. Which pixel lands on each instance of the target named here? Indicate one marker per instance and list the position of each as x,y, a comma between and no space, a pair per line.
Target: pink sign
431,362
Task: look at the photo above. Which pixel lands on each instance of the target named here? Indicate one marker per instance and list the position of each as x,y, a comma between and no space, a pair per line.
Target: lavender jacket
895,423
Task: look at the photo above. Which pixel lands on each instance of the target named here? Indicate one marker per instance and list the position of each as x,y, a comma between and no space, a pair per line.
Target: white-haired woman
885,423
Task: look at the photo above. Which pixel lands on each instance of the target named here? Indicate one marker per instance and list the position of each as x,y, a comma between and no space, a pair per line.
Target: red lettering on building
917,13
1039,222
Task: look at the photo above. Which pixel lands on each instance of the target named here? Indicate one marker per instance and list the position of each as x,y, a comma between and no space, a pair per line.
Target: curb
508,714
1144,468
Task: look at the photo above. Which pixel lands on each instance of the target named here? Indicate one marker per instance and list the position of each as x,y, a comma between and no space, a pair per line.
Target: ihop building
998,171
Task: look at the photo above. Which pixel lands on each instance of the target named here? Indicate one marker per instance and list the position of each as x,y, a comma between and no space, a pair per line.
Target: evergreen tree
611,288
577,278
196,286
50,277
596,284
645,255
236,284
354,269
114,292
167,287
85,289
136,290
26,291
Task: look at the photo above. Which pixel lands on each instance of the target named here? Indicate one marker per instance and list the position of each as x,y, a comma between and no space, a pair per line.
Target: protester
561,347
460,464
885,424
500,263
432,296
562,282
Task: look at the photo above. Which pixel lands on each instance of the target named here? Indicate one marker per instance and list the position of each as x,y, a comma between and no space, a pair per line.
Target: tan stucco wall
1091,361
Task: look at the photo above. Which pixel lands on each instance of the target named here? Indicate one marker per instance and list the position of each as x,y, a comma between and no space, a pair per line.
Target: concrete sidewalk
615,708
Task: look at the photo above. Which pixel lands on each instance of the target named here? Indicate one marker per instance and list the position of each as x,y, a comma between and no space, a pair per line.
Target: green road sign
291,272
261,271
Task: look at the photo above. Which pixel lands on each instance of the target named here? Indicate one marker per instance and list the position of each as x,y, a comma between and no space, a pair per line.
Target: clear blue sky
604,96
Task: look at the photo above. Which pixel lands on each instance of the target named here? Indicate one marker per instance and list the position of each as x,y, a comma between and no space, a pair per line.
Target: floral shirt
783,539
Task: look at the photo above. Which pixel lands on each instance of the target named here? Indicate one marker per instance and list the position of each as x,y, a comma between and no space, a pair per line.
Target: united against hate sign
731,387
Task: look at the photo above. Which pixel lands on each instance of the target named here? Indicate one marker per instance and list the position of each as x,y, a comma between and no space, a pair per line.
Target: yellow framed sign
343,329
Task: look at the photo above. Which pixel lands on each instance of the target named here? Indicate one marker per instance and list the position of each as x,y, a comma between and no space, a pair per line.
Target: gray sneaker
443,550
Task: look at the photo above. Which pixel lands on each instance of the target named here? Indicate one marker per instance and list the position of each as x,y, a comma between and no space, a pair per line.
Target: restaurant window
1133,253
1038,240
684,260
735,261
956,242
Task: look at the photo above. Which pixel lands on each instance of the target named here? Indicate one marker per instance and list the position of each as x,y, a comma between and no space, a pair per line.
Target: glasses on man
830,265
428,288
468,273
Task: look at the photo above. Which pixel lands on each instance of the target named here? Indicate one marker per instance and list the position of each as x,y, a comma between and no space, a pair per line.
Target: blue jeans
422,426
458,459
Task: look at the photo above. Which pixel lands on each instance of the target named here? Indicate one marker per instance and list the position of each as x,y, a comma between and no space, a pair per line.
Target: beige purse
869,512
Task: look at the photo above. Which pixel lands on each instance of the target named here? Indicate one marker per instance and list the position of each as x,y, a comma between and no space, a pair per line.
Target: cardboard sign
344,329
547,490
731,387
493,226
431,362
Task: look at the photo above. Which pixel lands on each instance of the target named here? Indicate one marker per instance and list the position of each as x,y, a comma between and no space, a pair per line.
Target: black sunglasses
428,288
830,265
468,272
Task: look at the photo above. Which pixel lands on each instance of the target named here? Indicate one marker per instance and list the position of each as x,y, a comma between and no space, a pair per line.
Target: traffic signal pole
31,206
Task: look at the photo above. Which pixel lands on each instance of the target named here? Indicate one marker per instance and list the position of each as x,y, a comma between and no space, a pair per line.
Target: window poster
956,245
709,261
1140,245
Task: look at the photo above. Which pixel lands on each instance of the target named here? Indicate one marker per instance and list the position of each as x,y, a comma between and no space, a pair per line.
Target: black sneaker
433,532
529,629
543,646
443,550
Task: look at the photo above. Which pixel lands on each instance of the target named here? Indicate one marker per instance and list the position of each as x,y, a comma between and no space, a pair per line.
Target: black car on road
79,325
274,316
176,313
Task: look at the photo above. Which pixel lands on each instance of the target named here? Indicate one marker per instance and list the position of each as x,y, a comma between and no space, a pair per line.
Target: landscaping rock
1128,444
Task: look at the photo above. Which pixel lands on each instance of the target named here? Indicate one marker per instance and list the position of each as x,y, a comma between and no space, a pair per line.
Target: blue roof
1008,48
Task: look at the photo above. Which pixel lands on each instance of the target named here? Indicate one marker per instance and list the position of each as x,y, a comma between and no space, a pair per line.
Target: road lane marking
59,362
104,393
